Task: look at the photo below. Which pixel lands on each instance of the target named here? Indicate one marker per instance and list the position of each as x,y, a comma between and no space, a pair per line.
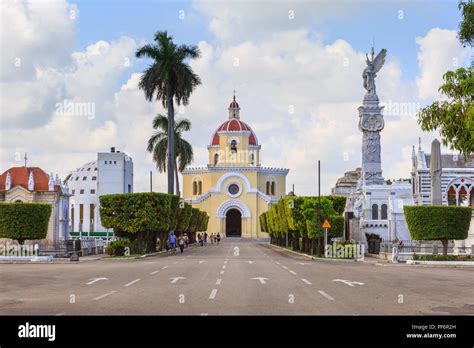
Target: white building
457,185
112,172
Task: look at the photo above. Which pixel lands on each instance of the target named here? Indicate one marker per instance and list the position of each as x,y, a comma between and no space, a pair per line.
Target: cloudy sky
296,67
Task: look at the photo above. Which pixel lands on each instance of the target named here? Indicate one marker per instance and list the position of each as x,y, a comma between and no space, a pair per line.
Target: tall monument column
371,123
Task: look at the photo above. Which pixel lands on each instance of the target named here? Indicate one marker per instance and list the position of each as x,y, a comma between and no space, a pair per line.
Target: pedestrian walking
212,238
173,242
205,237
218,237
186,240
181,243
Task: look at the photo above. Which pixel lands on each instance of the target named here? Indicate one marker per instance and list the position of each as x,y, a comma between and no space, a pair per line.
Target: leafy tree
23,221
466,27
170,79
158,145
454,116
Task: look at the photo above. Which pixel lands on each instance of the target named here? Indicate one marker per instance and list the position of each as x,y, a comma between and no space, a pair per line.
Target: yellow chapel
234,189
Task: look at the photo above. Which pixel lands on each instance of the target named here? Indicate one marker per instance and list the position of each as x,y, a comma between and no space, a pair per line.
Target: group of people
214,238
183,242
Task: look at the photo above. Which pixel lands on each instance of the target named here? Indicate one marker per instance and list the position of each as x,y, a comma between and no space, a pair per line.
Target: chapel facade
234,189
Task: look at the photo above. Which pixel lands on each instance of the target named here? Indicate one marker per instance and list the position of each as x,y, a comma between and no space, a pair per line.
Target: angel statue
373,67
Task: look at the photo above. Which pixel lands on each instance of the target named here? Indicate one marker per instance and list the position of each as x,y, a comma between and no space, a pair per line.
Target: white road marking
222,272
261,279
203,314
213,294
218,281
284,267
175,279
302,263
60,314
164,267
223,267
154,272
326,295
292,272
306,281
201,262
93,280
225,261
250,262
277,263
132,282
104,295
347,282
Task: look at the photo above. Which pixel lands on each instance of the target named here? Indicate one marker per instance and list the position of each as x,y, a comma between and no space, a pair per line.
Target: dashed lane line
292,272
218,281
213,294
306,281
222,272
154,272
330,298
164,267
132,282
284,267
104,295
223,267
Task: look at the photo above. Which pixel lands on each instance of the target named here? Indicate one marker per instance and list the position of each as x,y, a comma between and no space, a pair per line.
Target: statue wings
379,60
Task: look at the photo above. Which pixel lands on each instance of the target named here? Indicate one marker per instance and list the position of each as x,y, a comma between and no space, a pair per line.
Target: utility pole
319,206
151,181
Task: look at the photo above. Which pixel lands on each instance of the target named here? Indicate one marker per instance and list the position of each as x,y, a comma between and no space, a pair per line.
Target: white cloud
440,51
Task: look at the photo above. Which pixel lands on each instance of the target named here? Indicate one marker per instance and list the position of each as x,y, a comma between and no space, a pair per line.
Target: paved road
235,277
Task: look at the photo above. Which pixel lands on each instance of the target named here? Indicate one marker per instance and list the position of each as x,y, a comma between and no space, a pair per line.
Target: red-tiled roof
19,177
234,125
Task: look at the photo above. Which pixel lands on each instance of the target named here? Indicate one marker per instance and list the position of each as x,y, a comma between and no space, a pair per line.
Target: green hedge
438,222
23,221
118,247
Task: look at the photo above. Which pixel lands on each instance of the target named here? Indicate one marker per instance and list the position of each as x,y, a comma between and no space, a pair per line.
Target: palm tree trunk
171,158
177,178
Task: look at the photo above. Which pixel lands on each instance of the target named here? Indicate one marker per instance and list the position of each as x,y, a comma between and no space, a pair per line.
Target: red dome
234,125
19,177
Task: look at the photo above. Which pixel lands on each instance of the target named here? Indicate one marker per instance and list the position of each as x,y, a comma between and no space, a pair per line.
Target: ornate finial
25,158
234,94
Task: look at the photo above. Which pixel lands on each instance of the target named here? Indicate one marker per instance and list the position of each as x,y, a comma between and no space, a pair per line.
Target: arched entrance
233,223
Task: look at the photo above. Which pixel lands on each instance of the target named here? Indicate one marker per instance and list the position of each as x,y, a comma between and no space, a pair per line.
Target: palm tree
158,145
169,78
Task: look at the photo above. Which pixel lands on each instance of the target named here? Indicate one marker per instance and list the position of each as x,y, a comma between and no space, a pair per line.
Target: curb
312,257
442,263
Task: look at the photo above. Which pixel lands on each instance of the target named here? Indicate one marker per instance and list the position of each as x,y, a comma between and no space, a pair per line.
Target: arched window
375,212
252,158
216,159
233,146
268,188
273,188
200,187
195,188
384,215
452,197
463,202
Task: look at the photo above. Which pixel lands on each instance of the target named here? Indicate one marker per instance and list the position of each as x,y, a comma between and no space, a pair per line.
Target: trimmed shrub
438,223
263,222
118,247
23,221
